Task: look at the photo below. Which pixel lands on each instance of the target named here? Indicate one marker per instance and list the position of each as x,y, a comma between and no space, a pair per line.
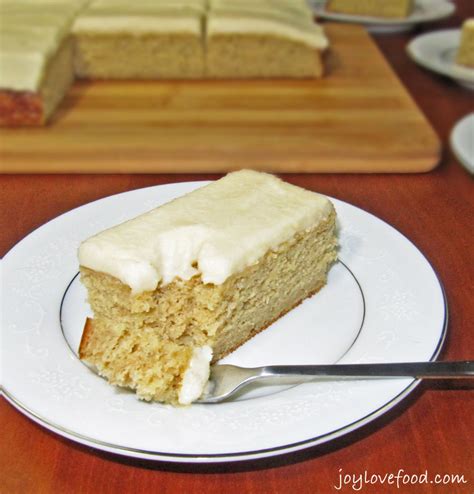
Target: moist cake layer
233,56
150,56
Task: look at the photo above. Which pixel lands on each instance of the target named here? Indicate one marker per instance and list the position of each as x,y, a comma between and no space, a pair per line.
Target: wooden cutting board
359,118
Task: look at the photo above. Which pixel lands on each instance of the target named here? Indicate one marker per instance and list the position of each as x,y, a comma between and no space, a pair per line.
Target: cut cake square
263,39
192,280
140,40
36,60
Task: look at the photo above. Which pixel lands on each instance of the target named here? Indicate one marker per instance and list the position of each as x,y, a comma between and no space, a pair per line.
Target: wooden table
432,430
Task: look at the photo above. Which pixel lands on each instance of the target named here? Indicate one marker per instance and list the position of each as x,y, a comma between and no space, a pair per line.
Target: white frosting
311,35
146,5
35,19
39,40
41,4
138,24
32,8
141,3
214,231
141,17
301,5
289,10
196,375
22,71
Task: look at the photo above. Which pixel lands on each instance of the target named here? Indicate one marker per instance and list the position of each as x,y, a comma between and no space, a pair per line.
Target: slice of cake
372,8
140,40
35,73
263,39
36,59
465,54
195,278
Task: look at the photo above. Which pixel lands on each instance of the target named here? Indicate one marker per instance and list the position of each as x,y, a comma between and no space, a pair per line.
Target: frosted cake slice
263,39
465,54
36,59
187,283
141,40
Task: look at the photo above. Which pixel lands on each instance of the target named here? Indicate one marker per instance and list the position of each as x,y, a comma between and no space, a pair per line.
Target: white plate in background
385,304
437,51
462,142
424,11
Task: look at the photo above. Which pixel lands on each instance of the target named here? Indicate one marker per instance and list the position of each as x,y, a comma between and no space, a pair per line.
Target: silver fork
226,380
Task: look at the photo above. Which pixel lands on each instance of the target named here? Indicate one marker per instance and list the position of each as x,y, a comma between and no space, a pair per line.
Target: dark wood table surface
431,431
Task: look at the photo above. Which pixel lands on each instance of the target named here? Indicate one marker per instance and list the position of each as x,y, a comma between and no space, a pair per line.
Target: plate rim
193,458
454,146
236,456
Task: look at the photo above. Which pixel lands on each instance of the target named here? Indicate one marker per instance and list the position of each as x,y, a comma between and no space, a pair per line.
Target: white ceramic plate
424,11
462,142
437,50
383,304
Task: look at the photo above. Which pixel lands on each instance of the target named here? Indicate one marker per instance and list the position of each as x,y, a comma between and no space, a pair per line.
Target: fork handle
425,370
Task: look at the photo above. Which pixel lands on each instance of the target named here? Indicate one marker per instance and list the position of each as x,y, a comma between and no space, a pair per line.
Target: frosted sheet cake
187,283
45,44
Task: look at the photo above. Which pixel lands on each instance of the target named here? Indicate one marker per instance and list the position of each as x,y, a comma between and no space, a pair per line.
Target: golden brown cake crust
20,108
86,336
